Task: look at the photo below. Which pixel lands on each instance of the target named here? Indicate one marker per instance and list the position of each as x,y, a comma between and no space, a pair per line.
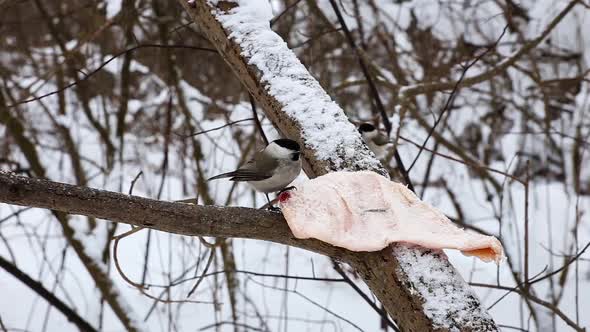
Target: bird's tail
221,176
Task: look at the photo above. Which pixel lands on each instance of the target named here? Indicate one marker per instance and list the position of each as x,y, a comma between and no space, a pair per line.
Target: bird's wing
262,162
249,175
381,139
257,169
242,175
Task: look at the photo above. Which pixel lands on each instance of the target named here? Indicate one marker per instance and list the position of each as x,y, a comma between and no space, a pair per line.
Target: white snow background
552,215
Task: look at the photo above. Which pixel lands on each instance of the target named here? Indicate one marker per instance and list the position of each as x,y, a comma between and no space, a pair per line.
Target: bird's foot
273,208
287,189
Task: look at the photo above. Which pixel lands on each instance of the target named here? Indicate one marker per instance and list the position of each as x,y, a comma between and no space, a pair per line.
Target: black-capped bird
271,169
375,139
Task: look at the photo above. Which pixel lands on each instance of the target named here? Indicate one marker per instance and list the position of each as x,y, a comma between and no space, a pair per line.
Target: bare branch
390,274
101,66
178,218
38,288
418,89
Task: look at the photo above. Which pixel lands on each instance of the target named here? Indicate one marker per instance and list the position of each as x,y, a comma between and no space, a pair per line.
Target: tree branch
101,279
414,90
178,218
300,109
38,288
228,222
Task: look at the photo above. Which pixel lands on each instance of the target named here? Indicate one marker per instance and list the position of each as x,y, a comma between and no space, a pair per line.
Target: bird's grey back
261,163
381,139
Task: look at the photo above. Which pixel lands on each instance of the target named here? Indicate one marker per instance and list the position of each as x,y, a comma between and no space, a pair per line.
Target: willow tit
271,169
375,139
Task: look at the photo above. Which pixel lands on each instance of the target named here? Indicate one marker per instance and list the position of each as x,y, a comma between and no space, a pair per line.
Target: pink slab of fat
363,211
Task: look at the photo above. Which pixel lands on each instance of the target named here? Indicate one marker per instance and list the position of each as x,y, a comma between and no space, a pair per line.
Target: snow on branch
292,98
432,297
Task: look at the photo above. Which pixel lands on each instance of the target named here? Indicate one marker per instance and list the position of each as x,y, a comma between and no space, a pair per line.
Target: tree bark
434,298
380,270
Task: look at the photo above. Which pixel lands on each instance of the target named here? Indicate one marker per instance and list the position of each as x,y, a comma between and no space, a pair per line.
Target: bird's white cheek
379,151
278,152
369,136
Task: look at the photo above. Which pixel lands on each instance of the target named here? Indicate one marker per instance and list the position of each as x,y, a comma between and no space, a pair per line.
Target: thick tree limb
178,218
195,220
418,288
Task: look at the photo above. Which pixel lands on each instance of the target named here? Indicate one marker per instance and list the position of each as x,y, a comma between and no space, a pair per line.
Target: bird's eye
295,156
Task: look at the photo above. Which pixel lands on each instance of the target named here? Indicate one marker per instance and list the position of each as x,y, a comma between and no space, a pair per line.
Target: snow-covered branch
419,288
237,222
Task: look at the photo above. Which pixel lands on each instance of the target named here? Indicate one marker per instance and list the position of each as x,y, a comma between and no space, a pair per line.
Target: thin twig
276,18
374,306
548,275
464,162
213,129
526,226
140,287
294,291
2,326
374,93
500,68
454,93
202,277
38,288
116,257
537,300
15,214
236,325
251,273
133,182
256,120
84,78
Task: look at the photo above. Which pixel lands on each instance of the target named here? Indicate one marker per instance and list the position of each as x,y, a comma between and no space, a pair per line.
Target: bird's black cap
366,127
287,144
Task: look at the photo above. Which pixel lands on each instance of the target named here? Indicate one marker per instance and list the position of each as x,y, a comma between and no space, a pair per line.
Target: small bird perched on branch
375,139
271,169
